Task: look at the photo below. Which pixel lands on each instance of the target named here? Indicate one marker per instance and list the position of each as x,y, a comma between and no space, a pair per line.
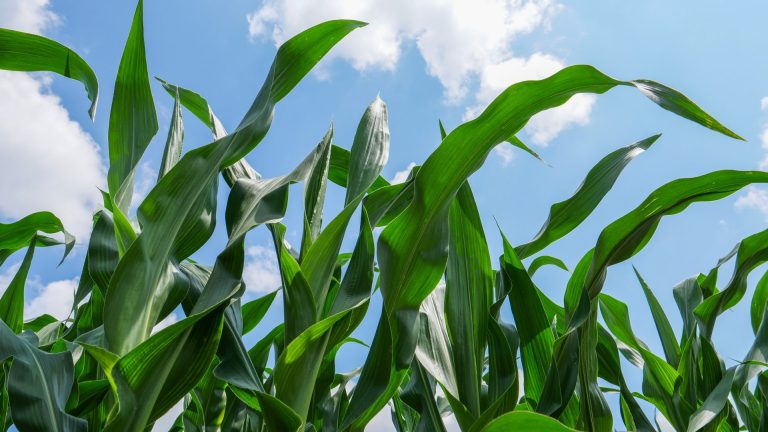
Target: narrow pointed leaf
566,215
12,301
132,120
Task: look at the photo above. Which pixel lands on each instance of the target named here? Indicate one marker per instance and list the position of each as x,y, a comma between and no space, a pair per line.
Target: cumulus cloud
49,162
261,273
54,298
505,154
463,42
755,199
31,16
402,176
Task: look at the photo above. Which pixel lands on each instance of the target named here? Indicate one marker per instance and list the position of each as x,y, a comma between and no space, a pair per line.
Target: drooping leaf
544,260
413,247
32,53
629,234
17,235
751,252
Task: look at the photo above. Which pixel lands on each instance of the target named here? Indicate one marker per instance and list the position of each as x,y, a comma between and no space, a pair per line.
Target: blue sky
440,59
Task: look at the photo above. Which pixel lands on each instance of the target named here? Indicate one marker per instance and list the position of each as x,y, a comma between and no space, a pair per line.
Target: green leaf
12,301
175,140
32,53
468,293
536,338
751,252
338,172
543,260
38,384
629,234
660,379
688,296
314,195
759,301
609,368
526,421
279,416
419,394
515,141
566,215
254,311
413,247
175,216
103,253
503,380
434,350
17,235
132,120
197,105
663,327
370,149
298,365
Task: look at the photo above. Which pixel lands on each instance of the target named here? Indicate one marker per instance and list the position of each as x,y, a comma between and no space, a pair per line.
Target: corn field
440,347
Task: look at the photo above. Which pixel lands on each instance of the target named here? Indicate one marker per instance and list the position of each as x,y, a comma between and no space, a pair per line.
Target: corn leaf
132,119
521,420
33,53
566,215
38,384
12,301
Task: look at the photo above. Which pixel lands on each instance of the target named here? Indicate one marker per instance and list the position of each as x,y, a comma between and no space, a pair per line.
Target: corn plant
441,346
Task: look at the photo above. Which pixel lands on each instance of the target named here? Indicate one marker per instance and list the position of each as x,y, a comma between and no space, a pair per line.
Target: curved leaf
566,215
32,53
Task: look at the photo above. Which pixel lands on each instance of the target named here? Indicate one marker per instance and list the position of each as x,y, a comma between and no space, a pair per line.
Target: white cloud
49,162
463,42
54,298
755,199
764,103
261,273
402,176
457,38
31,16
543,127
505,154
